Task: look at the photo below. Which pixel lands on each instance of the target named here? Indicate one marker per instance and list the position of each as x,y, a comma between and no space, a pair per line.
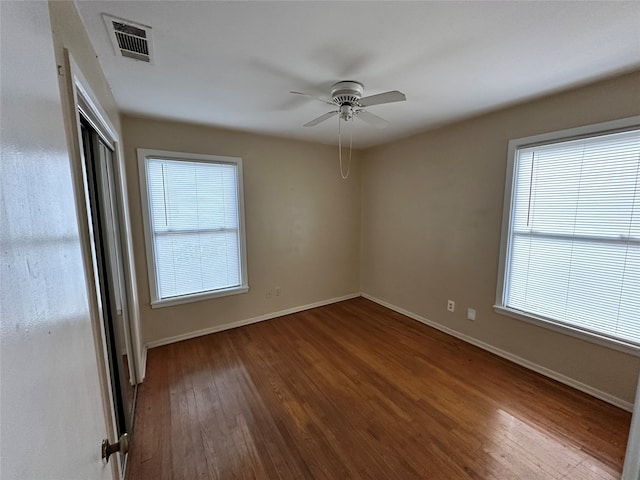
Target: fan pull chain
344,176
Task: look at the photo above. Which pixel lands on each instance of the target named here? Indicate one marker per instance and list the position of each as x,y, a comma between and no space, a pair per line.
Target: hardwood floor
354,390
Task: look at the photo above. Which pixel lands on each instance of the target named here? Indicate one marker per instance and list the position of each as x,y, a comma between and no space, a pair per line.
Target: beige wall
302,222
430,226
431,223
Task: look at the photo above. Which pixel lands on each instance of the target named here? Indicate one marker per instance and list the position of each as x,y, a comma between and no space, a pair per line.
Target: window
570,256
194,225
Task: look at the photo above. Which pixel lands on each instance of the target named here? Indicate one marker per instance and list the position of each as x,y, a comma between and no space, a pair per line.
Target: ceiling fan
347,97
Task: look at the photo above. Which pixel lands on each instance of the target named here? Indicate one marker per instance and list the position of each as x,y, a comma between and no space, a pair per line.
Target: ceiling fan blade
386,97
320,119
371,119
314,98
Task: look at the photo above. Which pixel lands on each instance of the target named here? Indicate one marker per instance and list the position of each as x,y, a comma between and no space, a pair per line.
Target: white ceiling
232,64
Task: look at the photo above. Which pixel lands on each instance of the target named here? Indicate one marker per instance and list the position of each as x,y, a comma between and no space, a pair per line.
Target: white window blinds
574,239
195,228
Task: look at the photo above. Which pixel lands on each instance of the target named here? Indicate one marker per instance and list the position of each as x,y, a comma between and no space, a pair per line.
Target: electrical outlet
268,294
277,291
471,314
451,305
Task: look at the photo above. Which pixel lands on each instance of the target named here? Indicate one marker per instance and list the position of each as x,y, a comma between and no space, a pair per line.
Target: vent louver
130,39
346,99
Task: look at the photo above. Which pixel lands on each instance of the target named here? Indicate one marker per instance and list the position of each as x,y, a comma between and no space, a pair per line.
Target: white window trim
156,302
545,138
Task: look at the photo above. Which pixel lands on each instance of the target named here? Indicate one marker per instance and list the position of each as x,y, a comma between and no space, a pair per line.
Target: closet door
105,222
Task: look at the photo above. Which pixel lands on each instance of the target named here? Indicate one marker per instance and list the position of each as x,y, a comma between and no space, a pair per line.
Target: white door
632,459
53,417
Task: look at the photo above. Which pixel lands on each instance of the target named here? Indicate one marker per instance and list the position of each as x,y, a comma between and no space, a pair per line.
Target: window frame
620,125
156,302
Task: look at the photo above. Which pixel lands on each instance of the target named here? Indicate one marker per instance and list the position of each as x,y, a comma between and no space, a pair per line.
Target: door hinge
122,446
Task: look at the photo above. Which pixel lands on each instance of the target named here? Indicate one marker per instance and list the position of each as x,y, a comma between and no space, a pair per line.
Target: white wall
52,415
69,33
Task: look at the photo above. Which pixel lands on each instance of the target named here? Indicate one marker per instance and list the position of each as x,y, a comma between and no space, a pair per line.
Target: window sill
618,345
198,297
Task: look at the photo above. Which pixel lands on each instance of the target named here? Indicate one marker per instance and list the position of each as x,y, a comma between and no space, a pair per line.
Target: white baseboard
142,369
618,402
248,321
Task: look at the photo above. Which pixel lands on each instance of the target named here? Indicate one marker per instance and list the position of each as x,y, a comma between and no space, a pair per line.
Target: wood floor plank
354,390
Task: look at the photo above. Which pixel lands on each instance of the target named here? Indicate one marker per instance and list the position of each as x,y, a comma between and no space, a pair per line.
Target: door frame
84,98
631,470
81,98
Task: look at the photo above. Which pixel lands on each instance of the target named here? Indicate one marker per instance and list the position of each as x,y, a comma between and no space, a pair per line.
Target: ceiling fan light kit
347,97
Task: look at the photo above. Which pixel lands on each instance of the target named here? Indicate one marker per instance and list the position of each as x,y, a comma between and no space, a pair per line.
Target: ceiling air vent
130,39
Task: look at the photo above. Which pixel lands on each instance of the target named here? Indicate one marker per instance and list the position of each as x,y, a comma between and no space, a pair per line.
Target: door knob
122,446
